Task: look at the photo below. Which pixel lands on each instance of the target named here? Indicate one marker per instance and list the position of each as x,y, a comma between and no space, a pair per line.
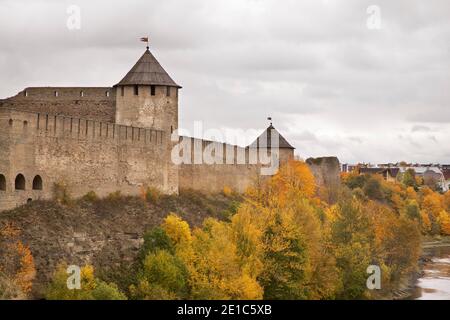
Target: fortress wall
327,172
215,165
84,155
91,103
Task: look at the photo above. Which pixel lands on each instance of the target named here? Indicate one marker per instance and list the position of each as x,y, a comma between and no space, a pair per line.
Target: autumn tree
163,276
18,268
412,210
216,271
408,178
286,222
91,288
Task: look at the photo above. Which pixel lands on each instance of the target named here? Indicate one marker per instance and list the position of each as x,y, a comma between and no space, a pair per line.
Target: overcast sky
334,82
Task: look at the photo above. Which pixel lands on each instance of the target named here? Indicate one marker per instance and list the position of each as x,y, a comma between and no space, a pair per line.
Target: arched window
10,122
37,183
2,183
20,182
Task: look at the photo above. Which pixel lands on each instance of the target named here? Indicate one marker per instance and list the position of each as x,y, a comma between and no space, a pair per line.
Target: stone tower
147,97
285,151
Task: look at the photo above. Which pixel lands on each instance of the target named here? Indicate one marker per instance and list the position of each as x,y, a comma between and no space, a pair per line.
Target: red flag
144,39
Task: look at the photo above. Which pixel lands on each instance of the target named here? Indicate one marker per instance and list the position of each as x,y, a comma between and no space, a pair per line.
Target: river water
435,282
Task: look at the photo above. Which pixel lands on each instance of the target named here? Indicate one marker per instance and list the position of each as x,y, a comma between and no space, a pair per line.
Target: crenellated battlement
20,123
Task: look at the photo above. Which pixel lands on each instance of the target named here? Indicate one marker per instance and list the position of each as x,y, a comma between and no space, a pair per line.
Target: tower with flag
147,96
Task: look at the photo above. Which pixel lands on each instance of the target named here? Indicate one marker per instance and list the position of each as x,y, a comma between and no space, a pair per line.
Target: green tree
412,210
353,237
373,189
409,179
164,276
285,259
91,287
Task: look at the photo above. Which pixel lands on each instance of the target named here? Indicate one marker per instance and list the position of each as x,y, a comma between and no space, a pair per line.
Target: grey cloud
313,65
419,128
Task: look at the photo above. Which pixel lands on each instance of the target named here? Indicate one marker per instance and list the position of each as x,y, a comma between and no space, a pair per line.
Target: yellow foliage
215,269
227,191
87,276
177,229
444,222
294,178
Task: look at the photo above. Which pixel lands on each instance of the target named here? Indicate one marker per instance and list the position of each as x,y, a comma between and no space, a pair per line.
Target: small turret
271,139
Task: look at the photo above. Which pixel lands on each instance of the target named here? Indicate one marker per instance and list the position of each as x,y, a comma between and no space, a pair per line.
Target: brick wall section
159,111
85,155
91,103
214,165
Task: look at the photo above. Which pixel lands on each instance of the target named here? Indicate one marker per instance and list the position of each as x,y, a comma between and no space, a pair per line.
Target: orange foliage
27,272
446,201
444,222
411,193
227,191
294,177
432,204
426,222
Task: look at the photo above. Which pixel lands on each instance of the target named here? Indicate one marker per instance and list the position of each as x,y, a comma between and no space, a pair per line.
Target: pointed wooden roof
147,71
265,140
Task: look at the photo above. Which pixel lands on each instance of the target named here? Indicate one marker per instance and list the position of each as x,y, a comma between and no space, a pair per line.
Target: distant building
429,174
389,174
446,172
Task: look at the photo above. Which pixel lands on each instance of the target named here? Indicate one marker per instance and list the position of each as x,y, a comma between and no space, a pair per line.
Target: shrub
91,196
227,191
152,195
114,196
156,239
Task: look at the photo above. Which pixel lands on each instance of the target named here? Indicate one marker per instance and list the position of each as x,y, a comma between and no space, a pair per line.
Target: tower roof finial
145,39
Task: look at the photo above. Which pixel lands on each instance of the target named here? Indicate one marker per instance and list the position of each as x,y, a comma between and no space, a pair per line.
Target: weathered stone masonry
82,154
106,139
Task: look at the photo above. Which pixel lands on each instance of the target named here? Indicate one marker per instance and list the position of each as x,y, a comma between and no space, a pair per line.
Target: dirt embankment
104,232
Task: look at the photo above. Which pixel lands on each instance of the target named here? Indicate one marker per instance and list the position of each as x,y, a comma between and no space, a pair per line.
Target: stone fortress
107,139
